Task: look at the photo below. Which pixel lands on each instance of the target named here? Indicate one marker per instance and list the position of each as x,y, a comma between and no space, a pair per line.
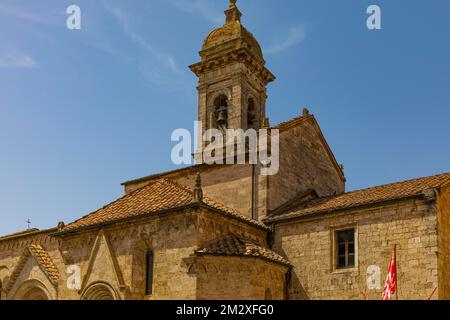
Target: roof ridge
115,201
369,196
231,244
212,201
177,185
18,233
393,183
290,121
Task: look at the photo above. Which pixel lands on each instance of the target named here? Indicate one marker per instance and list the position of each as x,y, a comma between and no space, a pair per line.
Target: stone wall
11,252
236,278
214,225
115,256
112,260
304,164
308,245
444,242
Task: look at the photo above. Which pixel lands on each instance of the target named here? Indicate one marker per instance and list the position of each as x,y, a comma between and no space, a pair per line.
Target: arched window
221,111
252,119
221,101
149,274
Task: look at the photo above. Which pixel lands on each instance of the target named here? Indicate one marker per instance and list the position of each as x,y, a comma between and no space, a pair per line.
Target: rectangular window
345,244
149,274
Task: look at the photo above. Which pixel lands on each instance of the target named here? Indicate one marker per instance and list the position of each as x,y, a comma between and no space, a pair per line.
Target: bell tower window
221,111
232,68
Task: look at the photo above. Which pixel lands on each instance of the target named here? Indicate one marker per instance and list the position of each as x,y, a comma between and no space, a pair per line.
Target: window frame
335,249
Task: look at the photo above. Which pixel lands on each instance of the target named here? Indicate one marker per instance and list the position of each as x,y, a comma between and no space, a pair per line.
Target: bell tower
232,77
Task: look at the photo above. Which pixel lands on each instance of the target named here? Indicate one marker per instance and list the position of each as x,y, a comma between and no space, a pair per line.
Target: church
226,231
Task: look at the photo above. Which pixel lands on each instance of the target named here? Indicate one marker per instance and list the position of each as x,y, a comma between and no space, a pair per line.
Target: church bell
222,115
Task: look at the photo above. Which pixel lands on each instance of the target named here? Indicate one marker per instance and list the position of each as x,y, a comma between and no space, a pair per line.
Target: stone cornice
240,55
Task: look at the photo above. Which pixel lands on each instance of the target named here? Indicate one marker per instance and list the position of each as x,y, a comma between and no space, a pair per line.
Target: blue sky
82,111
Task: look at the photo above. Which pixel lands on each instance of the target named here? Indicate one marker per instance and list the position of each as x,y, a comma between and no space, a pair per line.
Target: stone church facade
227,232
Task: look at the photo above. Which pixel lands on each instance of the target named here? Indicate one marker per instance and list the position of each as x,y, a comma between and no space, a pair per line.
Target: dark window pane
351,260
149,282
345,248
351,248
351,236
341,262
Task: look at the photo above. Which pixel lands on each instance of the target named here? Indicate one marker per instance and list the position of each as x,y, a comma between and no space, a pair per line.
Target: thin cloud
166,60
17,61
19,13
296,35
204,8
40,16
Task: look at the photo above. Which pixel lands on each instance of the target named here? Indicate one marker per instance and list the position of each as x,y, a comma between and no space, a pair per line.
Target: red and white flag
390,286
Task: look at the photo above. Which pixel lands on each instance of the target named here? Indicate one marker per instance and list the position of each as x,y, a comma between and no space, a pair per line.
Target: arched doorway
99,291
32,290
35,294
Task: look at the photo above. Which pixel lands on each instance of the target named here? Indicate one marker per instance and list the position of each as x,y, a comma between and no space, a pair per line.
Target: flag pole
396,272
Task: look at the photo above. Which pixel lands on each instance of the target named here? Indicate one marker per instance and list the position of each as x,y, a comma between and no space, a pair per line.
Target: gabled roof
232,245
186,170
160,195
283,126
295,122
394,191
26,233
43,260
18,234
295,203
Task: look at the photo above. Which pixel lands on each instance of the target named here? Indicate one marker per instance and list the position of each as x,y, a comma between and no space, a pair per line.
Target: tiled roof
43,260
160,195
26,234
232,245
186,170
49,268
369,196
18,234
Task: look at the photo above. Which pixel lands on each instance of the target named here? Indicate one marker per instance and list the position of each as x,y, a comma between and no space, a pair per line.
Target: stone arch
31,290
99,291
4,272
215,95
212,106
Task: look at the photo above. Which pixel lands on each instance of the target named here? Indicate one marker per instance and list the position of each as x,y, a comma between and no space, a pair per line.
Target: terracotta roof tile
45,262
232,245
369,196
162,194
18,234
